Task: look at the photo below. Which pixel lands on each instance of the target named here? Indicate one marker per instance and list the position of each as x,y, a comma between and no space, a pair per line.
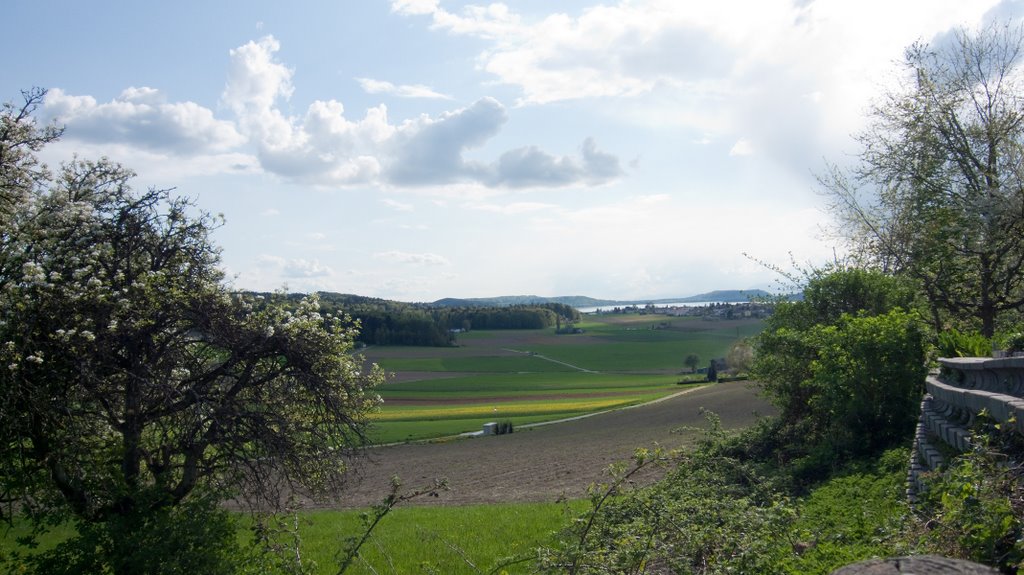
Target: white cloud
396,205
414,6
291,268
429,151
633,46
742,147
326,148
371,86
302,268
793,75
420,259
514,208
142,117
492,21
531,166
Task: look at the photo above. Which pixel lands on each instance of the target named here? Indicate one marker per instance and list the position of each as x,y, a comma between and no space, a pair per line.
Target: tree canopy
845,366
939,191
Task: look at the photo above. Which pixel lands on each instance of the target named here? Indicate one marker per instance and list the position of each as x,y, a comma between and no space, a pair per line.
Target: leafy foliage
845,366
955,343
21,174
724,507
1012,341
740,356
974,506
194,537
860,513
712,514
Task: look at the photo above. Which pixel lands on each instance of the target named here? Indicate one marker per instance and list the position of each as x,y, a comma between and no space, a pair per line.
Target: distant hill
509,300
729,296
578,301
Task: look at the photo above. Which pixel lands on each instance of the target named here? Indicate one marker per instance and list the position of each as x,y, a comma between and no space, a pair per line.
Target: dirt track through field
548,462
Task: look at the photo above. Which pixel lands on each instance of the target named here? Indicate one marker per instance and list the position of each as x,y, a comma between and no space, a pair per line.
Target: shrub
954,343
1013,342
845,366
195,537
972,511
713,513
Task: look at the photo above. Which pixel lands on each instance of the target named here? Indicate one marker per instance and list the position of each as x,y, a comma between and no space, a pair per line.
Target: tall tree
133,376
939,192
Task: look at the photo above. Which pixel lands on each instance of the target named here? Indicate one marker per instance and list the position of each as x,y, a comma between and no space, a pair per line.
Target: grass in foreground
451,540
446,540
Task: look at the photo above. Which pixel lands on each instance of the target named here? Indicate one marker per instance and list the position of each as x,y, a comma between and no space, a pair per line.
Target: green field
529,376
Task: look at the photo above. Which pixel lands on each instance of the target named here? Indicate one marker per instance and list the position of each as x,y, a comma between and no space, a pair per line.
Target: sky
421,149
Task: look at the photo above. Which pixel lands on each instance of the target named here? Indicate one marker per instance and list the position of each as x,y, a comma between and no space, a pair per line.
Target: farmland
531,376
503,493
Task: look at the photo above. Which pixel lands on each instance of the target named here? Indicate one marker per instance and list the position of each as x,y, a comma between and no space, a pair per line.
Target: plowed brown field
551,461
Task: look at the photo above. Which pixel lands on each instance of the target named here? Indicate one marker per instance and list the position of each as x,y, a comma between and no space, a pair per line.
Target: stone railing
954,397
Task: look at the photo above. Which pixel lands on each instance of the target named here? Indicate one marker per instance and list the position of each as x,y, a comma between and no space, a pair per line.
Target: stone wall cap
978,363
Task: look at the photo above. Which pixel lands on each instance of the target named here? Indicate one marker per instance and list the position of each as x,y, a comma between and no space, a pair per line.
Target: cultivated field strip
552,461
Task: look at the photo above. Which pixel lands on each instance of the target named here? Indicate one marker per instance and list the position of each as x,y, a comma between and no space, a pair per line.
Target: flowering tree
131,376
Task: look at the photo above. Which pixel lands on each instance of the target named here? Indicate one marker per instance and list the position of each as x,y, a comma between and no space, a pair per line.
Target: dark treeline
387,322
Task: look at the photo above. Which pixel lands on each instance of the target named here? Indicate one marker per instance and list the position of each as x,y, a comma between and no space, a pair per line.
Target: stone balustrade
954,397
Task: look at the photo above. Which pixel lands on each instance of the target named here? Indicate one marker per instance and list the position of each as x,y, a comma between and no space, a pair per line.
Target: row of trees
384,322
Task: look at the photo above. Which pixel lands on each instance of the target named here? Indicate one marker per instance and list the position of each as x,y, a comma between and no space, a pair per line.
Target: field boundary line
546,358
586,415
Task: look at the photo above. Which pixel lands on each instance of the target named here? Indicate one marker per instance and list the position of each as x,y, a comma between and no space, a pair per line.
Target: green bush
713,513
954,343
858,514
846,367
867,380
971,506
195,537
725,508
1014,341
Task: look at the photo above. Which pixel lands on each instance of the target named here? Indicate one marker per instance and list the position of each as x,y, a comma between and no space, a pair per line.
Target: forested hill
576,301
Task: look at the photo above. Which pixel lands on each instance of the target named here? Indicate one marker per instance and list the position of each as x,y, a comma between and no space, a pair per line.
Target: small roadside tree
134,381
692,361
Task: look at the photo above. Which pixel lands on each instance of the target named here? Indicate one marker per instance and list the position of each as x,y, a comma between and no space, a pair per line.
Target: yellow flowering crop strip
503,408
